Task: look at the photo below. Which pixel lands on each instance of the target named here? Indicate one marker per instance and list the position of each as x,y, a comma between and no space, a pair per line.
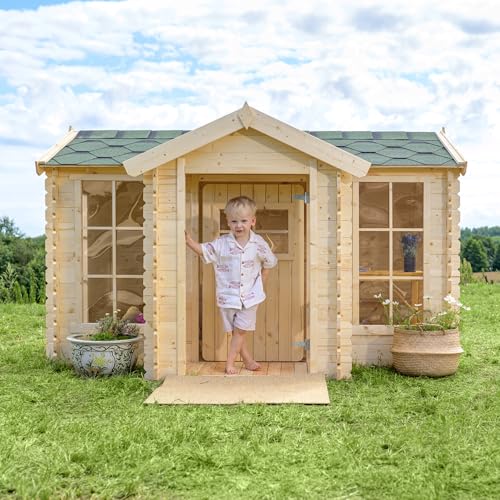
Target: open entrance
280,330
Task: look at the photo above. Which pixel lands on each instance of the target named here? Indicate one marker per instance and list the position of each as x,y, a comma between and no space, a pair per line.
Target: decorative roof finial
246,115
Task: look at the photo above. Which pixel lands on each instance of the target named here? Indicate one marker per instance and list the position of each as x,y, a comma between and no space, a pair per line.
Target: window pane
371,311
99,255
100,298
277,241
129,252
374,252
129,293
129,204
272,219
408,293
407,252
374,204
408,203
99,202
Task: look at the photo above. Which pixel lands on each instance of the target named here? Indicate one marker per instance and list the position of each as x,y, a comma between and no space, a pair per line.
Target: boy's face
240,222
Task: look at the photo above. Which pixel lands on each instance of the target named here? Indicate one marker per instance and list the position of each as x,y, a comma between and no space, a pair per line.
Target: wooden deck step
270,389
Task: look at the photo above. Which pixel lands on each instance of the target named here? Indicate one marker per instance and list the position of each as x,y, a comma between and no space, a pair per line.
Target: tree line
22,265
480,247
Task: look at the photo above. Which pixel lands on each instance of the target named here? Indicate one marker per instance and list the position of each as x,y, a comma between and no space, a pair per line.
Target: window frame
84,228
391,277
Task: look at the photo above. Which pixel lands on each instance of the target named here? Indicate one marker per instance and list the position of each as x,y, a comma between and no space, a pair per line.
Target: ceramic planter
429,353
94,358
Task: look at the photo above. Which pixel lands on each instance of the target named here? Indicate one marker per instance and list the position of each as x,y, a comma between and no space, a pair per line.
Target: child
241,260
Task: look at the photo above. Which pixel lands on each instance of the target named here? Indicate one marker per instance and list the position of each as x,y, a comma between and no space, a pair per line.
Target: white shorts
243,319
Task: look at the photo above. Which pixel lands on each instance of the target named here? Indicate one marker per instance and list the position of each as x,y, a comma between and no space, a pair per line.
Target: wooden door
280,319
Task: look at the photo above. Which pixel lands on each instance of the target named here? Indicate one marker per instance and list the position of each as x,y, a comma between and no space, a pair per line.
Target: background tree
474,252
496,261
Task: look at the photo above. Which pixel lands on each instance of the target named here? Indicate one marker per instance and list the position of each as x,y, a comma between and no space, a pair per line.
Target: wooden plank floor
268,368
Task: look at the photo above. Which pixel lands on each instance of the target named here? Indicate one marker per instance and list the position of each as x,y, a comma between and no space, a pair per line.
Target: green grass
383,436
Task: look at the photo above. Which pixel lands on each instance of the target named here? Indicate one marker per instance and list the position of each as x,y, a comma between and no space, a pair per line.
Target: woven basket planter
431,353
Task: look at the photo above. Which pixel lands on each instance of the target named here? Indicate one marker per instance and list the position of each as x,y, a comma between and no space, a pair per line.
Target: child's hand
193,245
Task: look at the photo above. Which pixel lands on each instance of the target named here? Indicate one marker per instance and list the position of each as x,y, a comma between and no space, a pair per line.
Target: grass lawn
383,436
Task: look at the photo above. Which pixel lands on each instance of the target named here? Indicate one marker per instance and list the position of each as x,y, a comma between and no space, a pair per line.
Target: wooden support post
181,267
51,264
155,353
312,267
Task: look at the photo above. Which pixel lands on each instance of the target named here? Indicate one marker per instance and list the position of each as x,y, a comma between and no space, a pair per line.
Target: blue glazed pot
94,358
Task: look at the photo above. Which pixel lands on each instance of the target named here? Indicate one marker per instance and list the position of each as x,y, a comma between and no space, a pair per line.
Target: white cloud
317,65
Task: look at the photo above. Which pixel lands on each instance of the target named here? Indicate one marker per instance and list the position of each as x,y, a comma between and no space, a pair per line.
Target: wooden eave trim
110,169
425,168
247,117
455,154
50,153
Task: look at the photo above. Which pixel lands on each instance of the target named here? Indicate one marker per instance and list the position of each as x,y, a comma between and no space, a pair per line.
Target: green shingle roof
112,147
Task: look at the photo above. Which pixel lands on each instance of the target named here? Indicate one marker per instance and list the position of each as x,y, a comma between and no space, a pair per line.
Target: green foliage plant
111,327
466,275
17,293
415,317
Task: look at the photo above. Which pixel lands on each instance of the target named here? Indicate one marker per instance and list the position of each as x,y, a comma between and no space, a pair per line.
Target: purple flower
140,318
409,243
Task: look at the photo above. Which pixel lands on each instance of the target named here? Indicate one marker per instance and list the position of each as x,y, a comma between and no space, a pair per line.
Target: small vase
409,263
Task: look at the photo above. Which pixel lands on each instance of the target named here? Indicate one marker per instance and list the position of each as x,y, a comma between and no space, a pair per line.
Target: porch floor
268,368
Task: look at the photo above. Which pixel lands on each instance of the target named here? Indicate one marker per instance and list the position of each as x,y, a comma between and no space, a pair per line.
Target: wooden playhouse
336,205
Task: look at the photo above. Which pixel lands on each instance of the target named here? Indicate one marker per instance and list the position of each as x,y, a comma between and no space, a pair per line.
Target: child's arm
193,245
265,273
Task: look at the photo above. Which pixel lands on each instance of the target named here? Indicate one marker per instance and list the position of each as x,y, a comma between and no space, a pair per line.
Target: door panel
280,319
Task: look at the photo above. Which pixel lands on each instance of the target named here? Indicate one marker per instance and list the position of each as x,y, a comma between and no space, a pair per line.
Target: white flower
386,302
451,300
378,296
466,308
395,303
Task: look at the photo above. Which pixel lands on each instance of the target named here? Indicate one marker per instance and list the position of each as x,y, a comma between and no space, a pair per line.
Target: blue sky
317,65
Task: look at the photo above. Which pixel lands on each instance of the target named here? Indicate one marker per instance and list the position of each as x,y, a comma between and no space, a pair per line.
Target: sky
317,65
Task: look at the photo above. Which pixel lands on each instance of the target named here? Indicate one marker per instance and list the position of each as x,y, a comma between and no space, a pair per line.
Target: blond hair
236,204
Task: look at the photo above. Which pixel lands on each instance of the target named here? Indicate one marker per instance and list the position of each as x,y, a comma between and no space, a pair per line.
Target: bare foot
231,370
252,366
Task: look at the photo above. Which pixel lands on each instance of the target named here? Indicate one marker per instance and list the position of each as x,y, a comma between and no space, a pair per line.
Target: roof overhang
462,164
50,153
245,118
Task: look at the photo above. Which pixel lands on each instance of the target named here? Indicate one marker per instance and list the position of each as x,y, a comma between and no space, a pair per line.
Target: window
112,247
272,225
390,246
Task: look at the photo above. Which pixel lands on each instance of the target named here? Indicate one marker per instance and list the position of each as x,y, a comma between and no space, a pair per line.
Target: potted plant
424,343
111,349
409,244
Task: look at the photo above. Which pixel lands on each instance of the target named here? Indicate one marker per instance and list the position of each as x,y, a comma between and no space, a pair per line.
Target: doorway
280,330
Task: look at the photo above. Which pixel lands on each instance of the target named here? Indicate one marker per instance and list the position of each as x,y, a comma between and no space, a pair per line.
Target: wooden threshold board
267,368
